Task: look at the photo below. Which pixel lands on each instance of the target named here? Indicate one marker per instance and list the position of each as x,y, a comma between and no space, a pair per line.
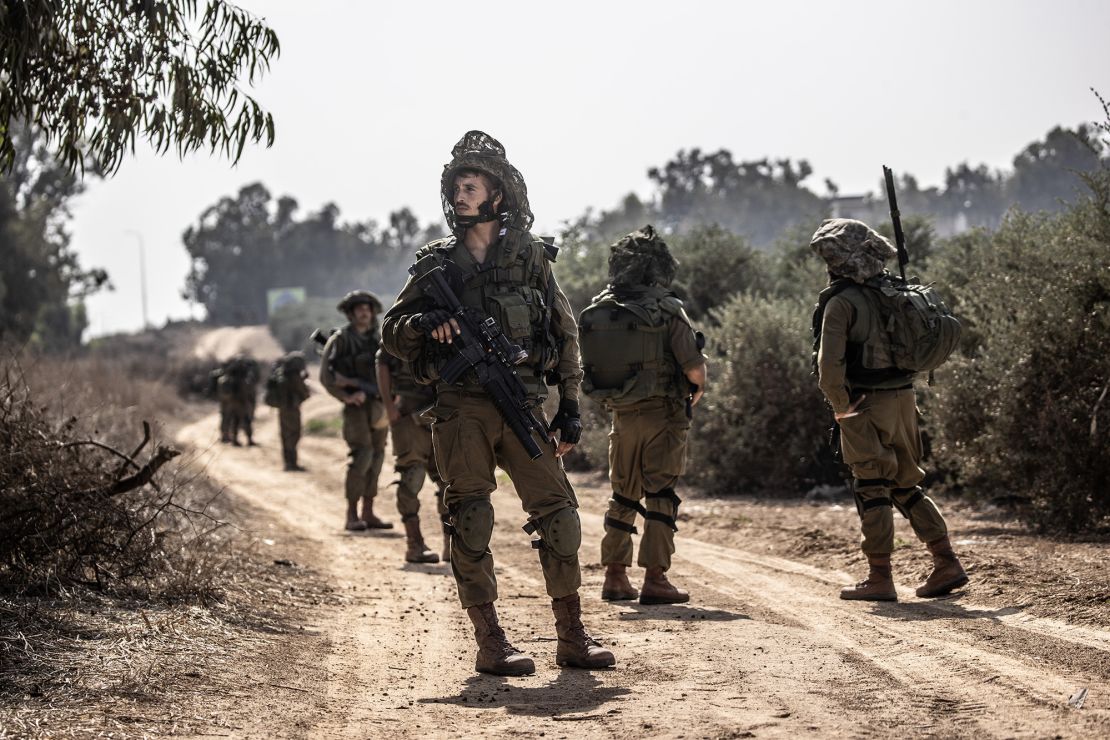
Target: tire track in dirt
765,648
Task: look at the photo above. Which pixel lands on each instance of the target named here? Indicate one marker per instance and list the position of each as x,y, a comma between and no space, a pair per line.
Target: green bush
761,427
1023,411
292,324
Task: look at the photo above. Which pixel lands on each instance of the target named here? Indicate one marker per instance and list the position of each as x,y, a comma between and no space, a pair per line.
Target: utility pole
142,274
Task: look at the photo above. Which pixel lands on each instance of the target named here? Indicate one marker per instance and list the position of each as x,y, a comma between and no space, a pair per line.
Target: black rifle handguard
481,346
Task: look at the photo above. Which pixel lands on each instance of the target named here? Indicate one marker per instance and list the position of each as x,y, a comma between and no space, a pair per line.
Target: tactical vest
512,287
625,341
403,382
354,354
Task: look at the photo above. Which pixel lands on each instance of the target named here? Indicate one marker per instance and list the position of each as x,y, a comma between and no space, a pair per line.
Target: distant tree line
243,246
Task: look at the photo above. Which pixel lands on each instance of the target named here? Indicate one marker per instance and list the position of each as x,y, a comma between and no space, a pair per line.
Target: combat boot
417,551
495,654
576,648
354,524
616,586
658,590
879,584
947,573
369,519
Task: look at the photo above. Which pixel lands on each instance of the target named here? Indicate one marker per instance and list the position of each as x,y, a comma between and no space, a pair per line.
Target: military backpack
626,357
917,331
275,392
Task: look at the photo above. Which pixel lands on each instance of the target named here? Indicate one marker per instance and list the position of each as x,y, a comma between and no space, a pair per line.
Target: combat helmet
641,258
477,150
851,248
357,297
294,362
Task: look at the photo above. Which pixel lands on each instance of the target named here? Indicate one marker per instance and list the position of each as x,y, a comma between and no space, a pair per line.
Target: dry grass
130,642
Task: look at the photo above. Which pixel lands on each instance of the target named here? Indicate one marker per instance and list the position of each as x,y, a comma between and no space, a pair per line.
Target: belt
877,390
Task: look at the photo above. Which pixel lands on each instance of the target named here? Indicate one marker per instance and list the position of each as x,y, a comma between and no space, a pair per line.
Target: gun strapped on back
896,219
481,346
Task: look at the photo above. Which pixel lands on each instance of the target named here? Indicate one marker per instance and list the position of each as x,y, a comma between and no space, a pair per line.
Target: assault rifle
368,387
896,219
481,346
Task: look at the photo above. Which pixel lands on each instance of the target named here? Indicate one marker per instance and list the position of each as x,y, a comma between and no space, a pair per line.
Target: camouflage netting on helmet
477,150
641,258
851,248
294,362
357,297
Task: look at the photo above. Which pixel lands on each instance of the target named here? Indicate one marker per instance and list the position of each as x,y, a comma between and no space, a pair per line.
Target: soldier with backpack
873,334
286,391
642,361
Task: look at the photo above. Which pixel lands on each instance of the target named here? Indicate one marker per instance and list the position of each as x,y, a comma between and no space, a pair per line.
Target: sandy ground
764,649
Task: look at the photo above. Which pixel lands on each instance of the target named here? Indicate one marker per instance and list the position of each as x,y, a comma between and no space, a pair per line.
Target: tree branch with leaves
95,75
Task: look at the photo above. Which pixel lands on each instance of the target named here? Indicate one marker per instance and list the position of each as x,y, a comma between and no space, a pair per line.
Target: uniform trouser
289,423
412,449
882,446
239,415
471,441
647,454
365,435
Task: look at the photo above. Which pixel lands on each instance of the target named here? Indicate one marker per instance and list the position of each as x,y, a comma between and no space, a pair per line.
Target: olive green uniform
881,443
365,427
237,389
470,439
293,393
412,437
647,448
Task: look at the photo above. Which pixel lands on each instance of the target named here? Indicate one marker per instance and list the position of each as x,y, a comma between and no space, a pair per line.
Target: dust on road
764,649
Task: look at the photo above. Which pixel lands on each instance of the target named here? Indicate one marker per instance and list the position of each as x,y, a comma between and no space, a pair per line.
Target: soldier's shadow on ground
432,569
571,691
383,534
944,608
676,613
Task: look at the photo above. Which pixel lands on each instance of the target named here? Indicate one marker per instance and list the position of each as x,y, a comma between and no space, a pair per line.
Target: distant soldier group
481,332
235,384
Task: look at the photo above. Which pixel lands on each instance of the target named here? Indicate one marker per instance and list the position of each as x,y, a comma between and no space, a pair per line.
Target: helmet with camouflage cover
641,258
851,248
359,297
479,151
294,362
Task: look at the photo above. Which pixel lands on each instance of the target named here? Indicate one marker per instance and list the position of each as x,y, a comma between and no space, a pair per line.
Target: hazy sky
369,97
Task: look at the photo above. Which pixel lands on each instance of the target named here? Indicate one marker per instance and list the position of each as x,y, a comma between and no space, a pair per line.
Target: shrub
761,427
291,325
1023,412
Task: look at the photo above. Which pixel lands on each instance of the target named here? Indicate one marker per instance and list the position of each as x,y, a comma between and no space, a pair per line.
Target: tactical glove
568,422
429,321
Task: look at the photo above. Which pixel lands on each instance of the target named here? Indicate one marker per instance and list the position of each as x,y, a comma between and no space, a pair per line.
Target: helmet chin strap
484,215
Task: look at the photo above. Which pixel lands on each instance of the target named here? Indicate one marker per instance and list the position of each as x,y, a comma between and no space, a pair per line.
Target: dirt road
764,649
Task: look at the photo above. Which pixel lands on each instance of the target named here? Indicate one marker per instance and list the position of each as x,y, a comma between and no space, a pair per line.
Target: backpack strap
832,289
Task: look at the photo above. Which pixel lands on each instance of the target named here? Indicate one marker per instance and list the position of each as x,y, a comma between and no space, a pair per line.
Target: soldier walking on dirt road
500,271
875,407
404,401
347,372
642,361
286,391
237,389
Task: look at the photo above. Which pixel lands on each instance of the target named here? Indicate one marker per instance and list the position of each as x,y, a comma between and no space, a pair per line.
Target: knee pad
905,499
561,533
473,522
412,479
